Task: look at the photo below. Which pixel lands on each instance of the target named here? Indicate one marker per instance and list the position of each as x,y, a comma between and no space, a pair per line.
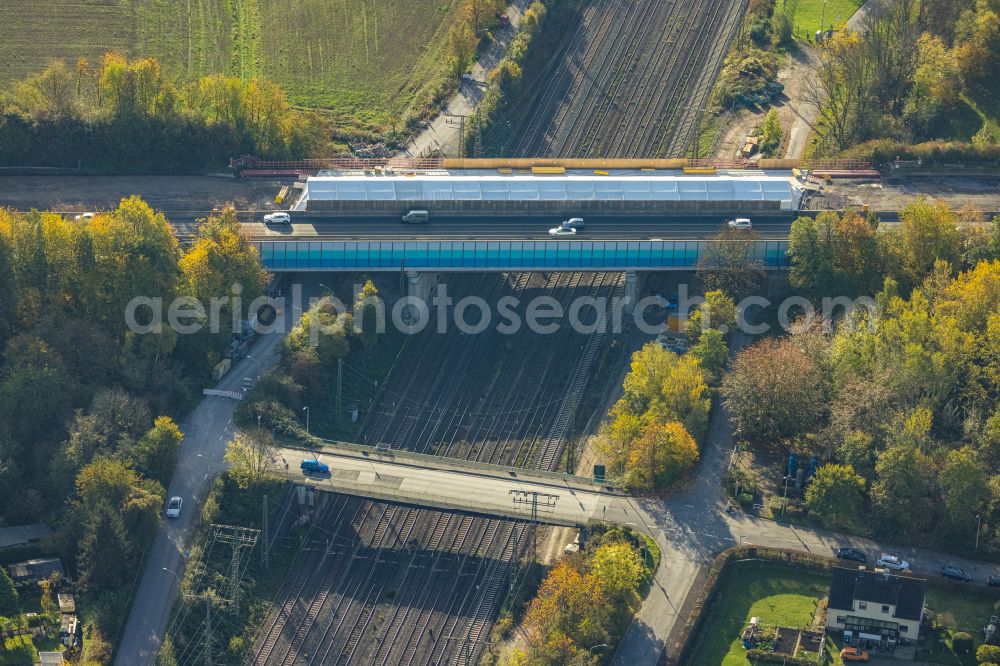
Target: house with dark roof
38,569
875,610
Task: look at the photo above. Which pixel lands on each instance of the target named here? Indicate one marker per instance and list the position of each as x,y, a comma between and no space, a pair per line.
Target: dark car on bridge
851,554
313,466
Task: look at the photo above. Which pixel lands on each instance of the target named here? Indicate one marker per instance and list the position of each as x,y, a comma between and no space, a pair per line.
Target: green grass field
775,593
369,62
809,15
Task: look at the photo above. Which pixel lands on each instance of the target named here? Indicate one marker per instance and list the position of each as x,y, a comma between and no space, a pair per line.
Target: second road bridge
456,485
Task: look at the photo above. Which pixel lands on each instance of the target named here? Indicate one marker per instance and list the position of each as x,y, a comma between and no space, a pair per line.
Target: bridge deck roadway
443,484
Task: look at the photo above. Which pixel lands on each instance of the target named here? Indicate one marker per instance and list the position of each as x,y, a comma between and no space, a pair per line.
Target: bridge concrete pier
421,284
633,285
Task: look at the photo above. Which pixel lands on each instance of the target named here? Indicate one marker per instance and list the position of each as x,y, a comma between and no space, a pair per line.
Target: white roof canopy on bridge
429,188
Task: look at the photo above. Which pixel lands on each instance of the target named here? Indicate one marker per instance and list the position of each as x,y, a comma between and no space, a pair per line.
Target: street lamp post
260,368
306,410
174,574
979,524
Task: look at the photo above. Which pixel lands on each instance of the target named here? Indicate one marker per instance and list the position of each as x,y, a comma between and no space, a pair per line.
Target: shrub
988,653
962,642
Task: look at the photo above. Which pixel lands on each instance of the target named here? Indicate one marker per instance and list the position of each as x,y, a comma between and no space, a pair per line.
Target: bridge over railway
460,485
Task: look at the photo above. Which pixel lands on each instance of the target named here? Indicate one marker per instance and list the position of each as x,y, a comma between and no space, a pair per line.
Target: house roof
39,569
20,535
850,585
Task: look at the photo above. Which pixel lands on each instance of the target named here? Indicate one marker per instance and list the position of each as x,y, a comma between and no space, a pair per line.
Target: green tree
366,307
104,558
836,494
729,263
717,312
936,84
618,569
771,134
964,482
902,492
774,392
221,257
660,456
136,500
10,603
321,327
928,232
251,456
712,353
156,451
834,255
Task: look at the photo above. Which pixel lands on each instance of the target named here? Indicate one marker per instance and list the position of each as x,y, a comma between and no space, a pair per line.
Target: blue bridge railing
500,255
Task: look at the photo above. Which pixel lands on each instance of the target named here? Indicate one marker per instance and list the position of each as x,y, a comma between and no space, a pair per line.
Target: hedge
930,153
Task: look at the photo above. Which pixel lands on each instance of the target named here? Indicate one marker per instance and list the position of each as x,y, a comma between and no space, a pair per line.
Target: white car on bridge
277,218
562,231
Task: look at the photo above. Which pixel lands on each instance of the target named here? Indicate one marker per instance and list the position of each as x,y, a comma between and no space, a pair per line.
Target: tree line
902,76
900,401
88,408
121,114
314,372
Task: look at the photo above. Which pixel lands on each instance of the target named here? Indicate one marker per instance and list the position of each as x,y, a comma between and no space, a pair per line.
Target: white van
574,223
416,217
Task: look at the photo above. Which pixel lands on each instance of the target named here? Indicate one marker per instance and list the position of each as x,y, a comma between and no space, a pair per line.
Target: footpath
443,135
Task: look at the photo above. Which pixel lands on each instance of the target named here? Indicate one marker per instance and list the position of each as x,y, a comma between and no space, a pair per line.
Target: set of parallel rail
401,585
629,81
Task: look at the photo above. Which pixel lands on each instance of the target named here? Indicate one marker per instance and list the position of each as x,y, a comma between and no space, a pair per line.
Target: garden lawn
956,608
18,650
370,63
779,595
808,16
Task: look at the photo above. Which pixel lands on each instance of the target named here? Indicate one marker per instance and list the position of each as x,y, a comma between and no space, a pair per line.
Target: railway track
622,72
400,585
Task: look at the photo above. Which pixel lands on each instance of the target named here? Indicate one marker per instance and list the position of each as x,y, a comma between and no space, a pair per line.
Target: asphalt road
512,228
207,430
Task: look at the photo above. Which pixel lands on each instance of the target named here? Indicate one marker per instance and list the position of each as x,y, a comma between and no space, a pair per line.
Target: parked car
854,654
955,573
893,562
574,222
174,507
740,223
277,218
562,231
416,217
993,581
83,217
313,466
851,554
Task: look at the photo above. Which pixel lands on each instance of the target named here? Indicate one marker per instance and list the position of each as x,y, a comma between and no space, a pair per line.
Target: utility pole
208,630
263,551
531,499
979,524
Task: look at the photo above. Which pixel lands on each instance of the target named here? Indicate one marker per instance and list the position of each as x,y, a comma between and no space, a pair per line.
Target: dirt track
167,193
